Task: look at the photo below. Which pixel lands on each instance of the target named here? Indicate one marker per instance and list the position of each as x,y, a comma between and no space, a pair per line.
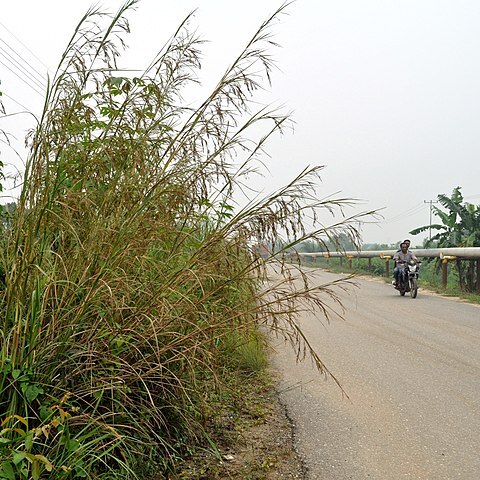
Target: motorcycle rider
407,241
400,258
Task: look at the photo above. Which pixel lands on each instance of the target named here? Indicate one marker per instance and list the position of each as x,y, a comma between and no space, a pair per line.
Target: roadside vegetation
460,227
132,287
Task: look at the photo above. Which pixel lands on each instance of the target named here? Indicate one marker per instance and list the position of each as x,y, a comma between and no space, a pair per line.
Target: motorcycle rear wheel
413,288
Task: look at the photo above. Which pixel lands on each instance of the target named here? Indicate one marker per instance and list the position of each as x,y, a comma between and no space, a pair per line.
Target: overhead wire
17,102
21,43
414,210
22,79
13,62
411,211
40,74
36,80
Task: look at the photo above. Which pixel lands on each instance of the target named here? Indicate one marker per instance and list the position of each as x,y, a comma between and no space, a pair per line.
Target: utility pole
430,224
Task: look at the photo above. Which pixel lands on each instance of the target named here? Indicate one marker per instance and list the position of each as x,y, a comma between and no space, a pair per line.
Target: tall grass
128,268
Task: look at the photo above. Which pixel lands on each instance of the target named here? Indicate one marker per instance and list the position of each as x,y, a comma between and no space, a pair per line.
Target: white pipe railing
445,254
460,252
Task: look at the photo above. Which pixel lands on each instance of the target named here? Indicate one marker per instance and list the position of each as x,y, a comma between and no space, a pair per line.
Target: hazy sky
386,94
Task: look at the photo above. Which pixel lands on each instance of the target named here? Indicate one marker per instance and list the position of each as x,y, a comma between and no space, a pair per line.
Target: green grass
245,350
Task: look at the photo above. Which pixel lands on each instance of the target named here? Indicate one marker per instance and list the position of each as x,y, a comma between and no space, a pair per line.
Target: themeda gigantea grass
127,264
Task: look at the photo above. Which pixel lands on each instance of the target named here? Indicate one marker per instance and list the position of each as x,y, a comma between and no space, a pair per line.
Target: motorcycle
408,278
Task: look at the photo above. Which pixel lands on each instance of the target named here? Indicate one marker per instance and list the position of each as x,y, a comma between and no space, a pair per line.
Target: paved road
411,369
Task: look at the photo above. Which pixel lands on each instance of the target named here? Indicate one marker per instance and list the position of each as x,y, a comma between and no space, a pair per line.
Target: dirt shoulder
253,438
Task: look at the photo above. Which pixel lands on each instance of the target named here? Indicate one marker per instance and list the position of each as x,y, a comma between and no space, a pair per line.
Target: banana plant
460,227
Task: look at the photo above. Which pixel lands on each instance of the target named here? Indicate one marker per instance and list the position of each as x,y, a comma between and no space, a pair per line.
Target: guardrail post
445,259
387,264
444,272
478,275
370,265
471,275
349,261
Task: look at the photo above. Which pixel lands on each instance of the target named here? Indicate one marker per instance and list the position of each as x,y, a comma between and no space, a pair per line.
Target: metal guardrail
465,253
445,254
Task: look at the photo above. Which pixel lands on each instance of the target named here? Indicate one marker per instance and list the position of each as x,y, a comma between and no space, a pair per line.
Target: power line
21,43
6,56
41,75
25,61
411,211
13,100
22,79
21,68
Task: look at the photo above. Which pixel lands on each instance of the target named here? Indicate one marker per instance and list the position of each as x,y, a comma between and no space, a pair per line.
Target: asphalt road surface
411,370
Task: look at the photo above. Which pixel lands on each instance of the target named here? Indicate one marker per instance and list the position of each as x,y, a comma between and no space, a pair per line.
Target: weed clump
130,276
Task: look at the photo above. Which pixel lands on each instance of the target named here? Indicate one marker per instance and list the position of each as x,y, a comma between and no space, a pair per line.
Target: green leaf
16,373
80,471
72,445
29,440
36,470
32,392
45,412
46,462
7,471
116,81
18,457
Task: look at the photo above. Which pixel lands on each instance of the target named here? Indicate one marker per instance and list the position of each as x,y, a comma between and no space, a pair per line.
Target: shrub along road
411,370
